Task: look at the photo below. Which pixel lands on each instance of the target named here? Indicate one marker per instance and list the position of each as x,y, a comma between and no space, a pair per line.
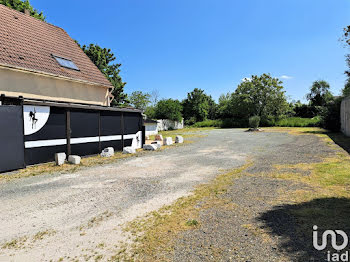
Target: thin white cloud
285,77
248,79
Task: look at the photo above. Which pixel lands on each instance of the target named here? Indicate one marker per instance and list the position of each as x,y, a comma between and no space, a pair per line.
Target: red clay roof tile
29,43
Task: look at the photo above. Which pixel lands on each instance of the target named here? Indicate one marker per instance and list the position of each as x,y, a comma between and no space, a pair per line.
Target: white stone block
179,139
158,144
168,141
150,147
107,152
60,158
129,150
75,160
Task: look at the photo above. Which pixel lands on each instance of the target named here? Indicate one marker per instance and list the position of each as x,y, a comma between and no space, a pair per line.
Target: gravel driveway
80,215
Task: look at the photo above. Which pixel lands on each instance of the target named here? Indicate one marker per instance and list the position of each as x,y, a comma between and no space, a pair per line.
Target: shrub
331,115
208,123
254,122
190,122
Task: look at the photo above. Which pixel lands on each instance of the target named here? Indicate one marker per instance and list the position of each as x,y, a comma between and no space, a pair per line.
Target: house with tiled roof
41,61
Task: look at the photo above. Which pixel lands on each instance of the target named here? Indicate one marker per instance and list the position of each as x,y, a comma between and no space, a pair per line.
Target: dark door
11,138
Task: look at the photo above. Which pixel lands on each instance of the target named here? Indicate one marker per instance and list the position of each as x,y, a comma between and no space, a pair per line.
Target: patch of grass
15,243
155,234
42,234
186,133
95,221
192,223
298,130
299,122
52,168
325,200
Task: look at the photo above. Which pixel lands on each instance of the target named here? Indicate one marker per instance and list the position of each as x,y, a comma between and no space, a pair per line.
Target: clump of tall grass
299,122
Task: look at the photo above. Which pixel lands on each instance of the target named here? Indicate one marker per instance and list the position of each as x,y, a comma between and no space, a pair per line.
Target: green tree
261,96
103,58
20,5
346,89
346,39
168,109
223,109
150,112
319,93
140,100
197,105
213,108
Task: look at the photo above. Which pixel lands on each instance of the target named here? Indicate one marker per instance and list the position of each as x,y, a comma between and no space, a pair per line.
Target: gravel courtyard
79,216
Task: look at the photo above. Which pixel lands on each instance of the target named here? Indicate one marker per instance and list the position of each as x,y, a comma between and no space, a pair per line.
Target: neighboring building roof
29,43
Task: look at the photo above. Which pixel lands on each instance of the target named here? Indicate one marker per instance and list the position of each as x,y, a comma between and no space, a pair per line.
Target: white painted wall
166,124
151,129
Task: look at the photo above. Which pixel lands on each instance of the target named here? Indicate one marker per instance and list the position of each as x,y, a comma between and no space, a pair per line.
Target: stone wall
345,116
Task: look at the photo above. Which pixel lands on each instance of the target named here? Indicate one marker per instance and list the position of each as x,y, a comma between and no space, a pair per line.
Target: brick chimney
26,11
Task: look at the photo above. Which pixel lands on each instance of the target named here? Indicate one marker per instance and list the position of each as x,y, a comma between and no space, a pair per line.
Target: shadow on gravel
293,226
339,138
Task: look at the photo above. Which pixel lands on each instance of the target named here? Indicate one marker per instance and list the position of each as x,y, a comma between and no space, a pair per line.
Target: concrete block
129,150
158,144
168,141
60,158
179,139
75,160
107,152
150,147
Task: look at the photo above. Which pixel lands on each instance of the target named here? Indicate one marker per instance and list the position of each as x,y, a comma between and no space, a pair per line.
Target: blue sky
176,46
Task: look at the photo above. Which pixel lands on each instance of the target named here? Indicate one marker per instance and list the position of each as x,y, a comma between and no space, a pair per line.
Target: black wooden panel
110,123
11,138
127,142
85,149
45,154
84,124
117,145
132,123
